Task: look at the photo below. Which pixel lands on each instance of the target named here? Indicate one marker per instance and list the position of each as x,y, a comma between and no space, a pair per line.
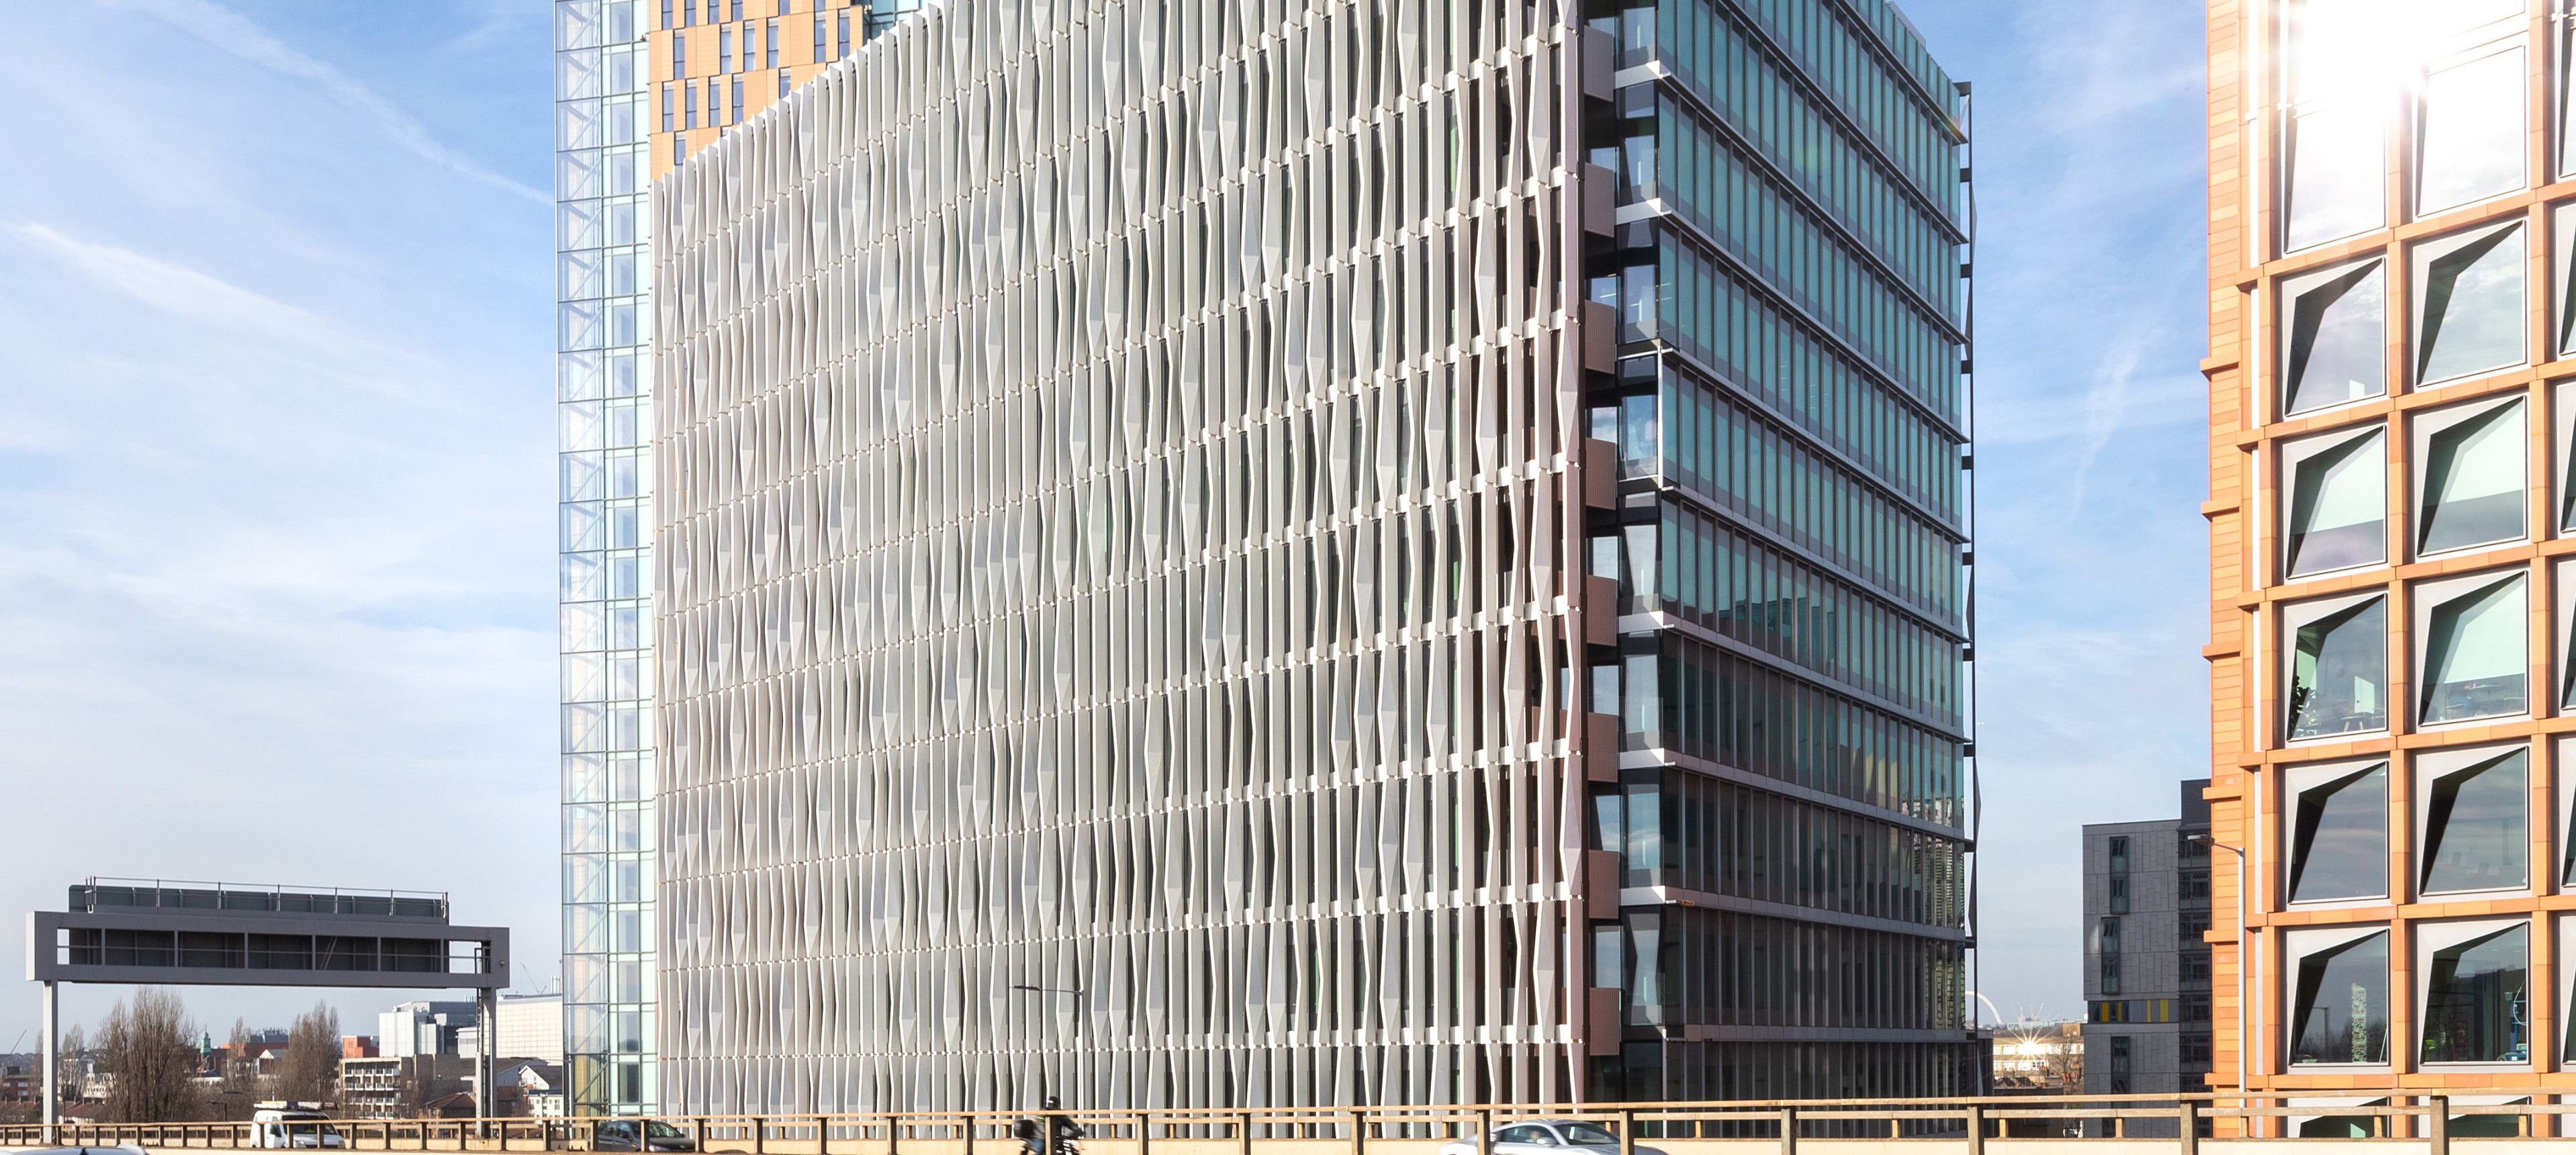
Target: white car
1548,1137
289,1129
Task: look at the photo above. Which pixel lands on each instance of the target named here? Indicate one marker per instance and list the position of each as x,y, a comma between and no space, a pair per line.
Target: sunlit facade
1325,553
639,85
2390,400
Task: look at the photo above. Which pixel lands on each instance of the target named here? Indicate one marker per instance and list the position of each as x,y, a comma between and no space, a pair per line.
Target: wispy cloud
185,293
275,452
2101,412
181,291
2092,595
233,33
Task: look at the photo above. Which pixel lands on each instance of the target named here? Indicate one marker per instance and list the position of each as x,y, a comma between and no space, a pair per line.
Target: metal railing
97,894
2423,1119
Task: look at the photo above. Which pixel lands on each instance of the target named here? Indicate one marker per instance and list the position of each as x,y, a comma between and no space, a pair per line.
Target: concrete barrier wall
522,1137
173,1140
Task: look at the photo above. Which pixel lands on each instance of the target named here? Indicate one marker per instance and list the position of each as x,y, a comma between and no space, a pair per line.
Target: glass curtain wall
605,421
1786,408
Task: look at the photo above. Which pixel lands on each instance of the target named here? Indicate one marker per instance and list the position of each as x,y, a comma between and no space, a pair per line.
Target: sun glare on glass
2361,48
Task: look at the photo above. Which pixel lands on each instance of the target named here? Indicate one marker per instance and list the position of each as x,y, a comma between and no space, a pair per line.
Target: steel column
53,1057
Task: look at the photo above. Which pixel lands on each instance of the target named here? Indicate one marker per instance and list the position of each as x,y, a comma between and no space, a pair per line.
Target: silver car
1548,1137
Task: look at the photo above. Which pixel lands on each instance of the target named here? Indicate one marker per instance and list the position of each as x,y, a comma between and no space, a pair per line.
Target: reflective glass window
1606,969
2566,54
582,476
2475,821
582,578
2566,748
2338,503
2452,17
2476,997
2469,303
2471,648
2339,89
2469,127
580,275
2338,668
2488,1126
2339,1006
2336,186
2471,479
1646,985
2339,833
2564,440
2341,1126
2338,49
2335,336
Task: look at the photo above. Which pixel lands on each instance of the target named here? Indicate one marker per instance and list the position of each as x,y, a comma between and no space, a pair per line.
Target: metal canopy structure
148,931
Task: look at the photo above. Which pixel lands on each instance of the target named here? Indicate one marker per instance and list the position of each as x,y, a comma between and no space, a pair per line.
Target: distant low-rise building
2043,1057
455,1105
528,1088
530,1027
422,1028
93,1081
400,1086
20,1078
253,1050
357,1046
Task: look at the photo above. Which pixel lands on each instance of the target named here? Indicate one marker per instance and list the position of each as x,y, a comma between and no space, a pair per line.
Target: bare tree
145,1046
2064,1068
311,1069
237,1080
69,1065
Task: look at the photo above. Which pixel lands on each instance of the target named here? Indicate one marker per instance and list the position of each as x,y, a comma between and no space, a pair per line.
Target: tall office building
639,85
2147,993
2389,509
1287,553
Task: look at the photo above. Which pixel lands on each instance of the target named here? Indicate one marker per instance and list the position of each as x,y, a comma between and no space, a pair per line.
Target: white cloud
275,444
230,31
190,295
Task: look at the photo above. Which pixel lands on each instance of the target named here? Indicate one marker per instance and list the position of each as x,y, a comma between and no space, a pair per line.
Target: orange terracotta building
2393,547
717,63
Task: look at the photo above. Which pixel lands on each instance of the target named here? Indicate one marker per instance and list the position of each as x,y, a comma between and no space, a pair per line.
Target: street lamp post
2245,954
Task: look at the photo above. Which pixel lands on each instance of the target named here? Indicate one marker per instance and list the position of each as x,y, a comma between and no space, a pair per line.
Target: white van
286,1126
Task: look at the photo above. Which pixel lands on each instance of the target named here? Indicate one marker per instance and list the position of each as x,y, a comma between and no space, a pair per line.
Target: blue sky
276,569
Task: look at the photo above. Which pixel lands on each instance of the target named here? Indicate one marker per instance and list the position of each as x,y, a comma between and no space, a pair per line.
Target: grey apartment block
2146,969
1250,554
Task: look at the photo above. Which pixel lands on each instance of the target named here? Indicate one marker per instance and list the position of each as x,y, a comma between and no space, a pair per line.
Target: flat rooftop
135,895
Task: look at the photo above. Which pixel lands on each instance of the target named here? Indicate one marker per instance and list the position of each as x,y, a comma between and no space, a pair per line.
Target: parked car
1548,1137
621,1135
